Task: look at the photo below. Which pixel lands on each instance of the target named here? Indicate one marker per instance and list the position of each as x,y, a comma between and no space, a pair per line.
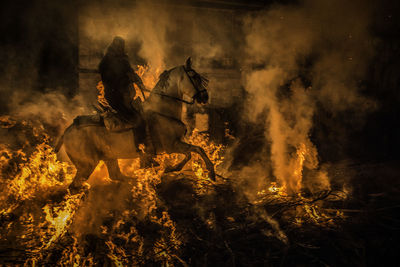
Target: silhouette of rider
118,78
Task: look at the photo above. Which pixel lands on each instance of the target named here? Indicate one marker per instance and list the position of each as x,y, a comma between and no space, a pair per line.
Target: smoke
161,35
297,57
144,24
51,108
37,77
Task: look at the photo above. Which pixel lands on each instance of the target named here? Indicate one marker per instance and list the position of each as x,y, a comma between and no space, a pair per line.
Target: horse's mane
201,81
163,80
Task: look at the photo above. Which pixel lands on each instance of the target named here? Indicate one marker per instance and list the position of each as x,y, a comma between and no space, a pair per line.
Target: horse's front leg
180,165
114,171
185,148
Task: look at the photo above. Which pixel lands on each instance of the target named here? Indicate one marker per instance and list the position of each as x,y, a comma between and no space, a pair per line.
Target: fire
59,218
293,184
215,153
100,95
275,189
149,78
148,75
40,175
54,222
41,172
303,210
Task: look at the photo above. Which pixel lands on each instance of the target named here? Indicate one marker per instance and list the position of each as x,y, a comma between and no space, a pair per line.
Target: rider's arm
137,80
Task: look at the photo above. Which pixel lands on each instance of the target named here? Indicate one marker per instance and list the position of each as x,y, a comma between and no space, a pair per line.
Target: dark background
39,51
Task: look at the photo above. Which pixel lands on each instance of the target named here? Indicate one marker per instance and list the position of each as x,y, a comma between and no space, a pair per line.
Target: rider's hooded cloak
118,78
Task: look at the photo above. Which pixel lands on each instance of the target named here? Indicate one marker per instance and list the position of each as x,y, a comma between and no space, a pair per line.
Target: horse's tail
60,140
59,143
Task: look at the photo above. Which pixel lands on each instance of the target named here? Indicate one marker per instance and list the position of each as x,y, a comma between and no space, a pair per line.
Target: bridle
194,86
198,91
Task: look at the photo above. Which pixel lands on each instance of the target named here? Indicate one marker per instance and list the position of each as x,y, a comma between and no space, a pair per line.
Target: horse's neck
167,106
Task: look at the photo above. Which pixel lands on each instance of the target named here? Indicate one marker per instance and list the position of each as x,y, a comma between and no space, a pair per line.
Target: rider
118,78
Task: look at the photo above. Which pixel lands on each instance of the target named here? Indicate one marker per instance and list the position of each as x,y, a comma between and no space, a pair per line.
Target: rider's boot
145,148
147,154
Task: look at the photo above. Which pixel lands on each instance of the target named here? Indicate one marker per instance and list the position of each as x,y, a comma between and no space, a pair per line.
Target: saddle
109,120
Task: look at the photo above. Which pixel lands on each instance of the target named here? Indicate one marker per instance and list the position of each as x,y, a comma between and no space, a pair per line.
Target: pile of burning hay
178,219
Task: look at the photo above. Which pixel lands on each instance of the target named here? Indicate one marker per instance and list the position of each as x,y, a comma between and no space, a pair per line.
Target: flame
59,218
30,179
100,95
293,183
43,171
149,78
40,174
148,75
215,153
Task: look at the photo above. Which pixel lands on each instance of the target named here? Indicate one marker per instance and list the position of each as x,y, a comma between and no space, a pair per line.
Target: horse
88,144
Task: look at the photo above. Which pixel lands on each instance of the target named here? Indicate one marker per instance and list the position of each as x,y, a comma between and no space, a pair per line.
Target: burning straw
137,222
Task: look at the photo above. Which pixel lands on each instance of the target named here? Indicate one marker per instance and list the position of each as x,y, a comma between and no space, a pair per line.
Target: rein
194,86
172,97
179,99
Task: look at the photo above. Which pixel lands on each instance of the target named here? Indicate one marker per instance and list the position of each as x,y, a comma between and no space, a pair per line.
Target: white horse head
168,95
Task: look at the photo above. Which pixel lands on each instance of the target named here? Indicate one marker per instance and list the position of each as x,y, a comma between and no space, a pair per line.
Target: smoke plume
299,56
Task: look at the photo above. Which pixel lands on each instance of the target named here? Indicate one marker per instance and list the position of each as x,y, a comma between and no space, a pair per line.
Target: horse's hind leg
83,171
180,165
114,171
182,147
